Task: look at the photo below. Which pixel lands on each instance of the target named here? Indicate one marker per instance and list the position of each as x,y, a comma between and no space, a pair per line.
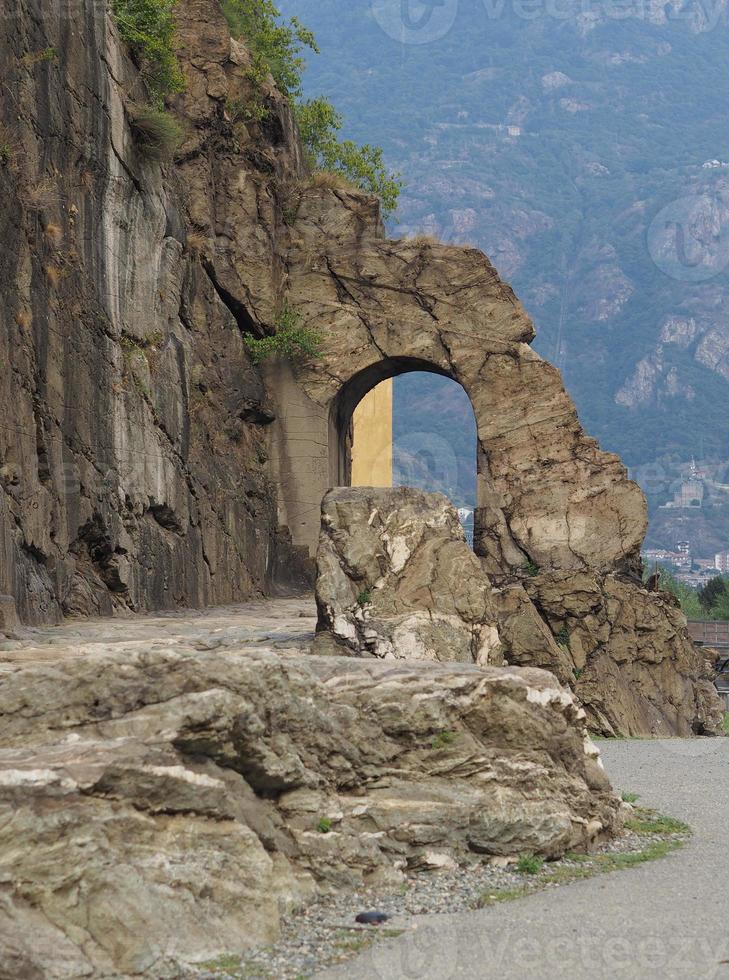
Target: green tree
720,609
688,597
319,125
278,48
712,593
148,28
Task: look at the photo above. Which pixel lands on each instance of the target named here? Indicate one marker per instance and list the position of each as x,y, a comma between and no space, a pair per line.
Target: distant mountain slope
586,154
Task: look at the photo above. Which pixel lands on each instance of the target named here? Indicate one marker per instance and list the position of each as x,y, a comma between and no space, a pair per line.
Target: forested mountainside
585,148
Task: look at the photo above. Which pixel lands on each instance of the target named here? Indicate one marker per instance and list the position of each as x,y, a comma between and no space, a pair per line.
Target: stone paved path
666,919
280,624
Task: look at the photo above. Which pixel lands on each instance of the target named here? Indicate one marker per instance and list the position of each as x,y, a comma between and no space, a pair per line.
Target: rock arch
346,401
559,525
547,495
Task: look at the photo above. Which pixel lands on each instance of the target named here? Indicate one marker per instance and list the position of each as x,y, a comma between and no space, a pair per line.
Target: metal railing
710,633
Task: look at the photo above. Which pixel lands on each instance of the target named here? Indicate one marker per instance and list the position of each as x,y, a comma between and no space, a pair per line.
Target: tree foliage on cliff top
148,28
277,47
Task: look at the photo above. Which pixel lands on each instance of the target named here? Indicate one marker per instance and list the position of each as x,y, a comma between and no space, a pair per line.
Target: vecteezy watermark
424,21
689,238
415,21
623,946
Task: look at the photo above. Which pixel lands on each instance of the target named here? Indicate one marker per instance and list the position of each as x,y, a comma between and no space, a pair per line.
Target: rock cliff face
133,439
162,806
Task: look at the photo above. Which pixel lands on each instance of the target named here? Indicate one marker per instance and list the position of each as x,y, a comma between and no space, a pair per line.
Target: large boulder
397,579
160,804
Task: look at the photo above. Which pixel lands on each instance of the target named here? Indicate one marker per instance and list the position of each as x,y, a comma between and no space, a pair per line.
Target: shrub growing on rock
157,133
291,340
277,48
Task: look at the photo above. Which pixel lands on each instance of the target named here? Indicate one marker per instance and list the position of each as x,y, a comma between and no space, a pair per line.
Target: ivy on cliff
278,48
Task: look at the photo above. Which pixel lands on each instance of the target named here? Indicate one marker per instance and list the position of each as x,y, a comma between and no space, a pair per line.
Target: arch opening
405,422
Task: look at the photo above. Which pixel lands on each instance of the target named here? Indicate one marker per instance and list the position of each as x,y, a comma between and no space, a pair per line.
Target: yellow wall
372,438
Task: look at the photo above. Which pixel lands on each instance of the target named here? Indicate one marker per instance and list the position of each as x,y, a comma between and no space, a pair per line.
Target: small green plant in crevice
291,340
530,864
442,739
531,568
629,797
242,111
41,57
364,598
139,345
563,639
726,722
578,672
147,26
157,133
324,826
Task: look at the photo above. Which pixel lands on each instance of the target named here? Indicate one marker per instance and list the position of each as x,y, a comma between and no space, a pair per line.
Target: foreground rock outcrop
164,805
396,579
635,668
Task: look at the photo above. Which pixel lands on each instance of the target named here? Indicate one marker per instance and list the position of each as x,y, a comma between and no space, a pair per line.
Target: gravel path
667,919
326,932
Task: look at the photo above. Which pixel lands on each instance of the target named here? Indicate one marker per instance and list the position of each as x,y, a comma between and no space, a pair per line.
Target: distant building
721,561
690,494
661,556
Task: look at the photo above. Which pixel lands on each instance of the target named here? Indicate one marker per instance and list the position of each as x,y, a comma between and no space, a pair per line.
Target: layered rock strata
164,805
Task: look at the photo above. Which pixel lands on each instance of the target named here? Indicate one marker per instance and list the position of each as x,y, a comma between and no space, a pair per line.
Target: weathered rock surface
397,579
160,804
636,670
134,439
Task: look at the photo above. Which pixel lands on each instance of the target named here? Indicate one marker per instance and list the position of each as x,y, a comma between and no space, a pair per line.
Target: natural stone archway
554,511
344,405
546,493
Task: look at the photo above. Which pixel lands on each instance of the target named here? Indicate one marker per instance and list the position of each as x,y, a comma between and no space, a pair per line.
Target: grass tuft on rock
157,134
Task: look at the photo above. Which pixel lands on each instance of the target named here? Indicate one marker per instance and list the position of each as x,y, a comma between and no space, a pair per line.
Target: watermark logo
415,21
689,239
